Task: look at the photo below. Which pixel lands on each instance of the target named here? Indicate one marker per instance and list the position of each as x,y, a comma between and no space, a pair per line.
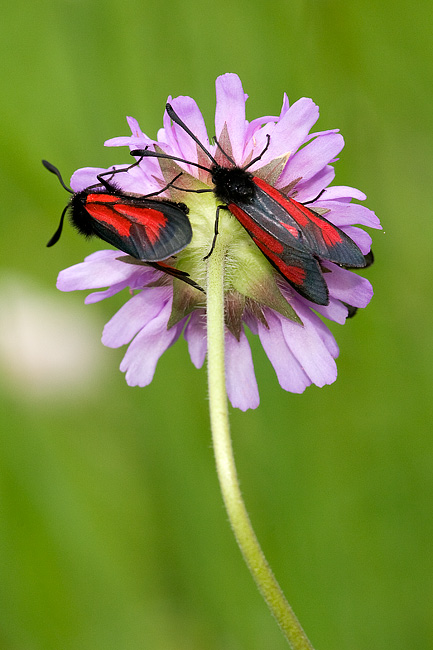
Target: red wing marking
301,214
105,214
120,216
152,220
291,229
255,231
287,203
330,235
295,274
99,197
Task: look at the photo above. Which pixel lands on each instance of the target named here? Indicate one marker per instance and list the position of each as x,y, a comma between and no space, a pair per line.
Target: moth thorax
79,216
233,185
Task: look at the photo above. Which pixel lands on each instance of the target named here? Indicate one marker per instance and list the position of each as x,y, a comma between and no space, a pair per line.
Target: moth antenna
145,153
55,171
55,238
175,117
316,198
257,158
112,173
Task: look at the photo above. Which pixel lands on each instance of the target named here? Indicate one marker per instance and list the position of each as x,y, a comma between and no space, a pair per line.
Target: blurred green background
112,530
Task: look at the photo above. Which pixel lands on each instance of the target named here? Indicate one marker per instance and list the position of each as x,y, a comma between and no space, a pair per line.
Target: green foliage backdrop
112,534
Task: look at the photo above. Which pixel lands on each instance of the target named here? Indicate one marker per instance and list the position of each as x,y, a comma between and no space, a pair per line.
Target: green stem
226,468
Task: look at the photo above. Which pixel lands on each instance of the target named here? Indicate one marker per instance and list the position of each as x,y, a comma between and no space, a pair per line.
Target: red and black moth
293,237
148,229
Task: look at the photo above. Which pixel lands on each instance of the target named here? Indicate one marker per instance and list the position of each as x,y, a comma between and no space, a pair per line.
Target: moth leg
217,217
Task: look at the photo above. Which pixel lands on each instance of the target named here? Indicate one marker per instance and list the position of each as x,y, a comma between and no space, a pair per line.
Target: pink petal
334,310
195,335
230,110
286,105
316,134
178,142
149,345
343,192
308,347
241,382
312,158
310,189
348,286
291,130
135,128
361,238
347,214
131,141
138,139
290,374
84,177
328,339
255,127
97,296
102,271
135,315
182,143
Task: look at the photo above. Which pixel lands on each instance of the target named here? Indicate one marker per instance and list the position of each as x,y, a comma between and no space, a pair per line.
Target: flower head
299,345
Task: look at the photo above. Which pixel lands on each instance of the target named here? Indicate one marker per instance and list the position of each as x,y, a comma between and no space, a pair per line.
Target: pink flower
299,345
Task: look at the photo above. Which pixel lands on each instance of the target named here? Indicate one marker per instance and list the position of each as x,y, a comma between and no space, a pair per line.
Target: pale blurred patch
49,344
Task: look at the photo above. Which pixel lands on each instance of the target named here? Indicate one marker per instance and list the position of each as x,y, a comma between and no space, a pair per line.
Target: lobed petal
361,238
309,189
85,177
241,382
347,286
195,335
230,110
308,347
289,372
143,354
343,192
181,143
334,310
309,161
98,296
99,271
291,130
348,214
135,314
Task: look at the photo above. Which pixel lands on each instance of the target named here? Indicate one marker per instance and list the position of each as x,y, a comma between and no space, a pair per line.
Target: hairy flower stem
226,468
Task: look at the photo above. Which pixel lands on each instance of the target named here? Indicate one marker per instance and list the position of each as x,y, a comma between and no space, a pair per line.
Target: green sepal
256,279
185,300
234,306
273,170
268,294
